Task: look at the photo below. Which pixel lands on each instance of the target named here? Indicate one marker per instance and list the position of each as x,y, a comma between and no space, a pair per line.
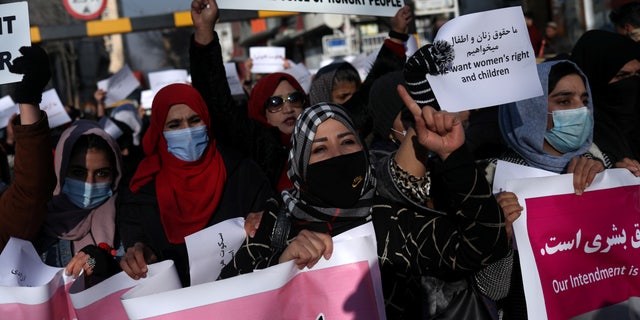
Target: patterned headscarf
524,123
301,142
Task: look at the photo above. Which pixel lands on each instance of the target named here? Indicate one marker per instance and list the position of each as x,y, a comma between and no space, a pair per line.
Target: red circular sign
85,9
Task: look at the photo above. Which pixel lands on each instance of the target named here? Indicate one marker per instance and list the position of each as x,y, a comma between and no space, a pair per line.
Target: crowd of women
301,167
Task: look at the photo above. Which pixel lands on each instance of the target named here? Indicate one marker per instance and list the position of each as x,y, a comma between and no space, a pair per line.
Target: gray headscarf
524,123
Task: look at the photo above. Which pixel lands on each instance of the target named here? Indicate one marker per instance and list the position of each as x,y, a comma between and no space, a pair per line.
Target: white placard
54,108
15,32
213,248
300,72
506,171
146,99
119,86
159,79
382,8
7,109
267,59
494,61
233,79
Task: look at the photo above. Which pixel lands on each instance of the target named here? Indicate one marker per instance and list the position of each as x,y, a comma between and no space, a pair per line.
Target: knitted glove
34,64
433,59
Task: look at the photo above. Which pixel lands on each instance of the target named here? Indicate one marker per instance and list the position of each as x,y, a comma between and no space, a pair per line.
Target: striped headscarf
301,143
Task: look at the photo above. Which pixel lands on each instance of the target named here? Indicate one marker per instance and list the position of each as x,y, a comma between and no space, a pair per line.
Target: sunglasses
274,104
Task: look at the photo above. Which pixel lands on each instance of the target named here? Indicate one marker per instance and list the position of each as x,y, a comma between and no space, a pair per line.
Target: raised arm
23,205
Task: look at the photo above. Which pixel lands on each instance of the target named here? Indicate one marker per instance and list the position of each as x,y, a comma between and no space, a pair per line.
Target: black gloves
433,59
34,64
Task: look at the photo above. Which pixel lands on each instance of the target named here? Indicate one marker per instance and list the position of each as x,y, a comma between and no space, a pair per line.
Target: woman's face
342,91
181,116
332,139
569,93
91,167
630,69
284,119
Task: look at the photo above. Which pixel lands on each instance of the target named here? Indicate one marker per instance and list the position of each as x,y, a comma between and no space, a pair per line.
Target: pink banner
342,292
585,249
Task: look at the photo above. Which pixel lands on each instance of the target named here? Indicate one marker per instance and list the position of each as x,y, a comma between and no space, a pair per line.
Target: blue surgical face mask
571,129
86,195
187,144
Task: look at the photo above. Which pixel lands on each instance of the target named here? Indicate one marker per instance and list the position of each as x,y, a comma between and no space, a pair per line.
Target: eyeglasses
274,104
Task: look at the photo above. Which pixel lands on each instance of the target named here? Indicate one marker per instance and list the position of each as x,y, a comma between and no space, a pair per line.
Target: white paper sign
54,108
506,171
146,99
382,8
213,248
300,72
267,59
7,109
233,79
494,61
15,32
119,86
159,79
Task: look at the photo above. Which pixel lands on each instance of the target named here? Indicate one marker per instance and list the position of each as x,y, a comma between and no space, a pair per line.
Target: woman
553,132
611,63
79,231
185,183
335,190
264,132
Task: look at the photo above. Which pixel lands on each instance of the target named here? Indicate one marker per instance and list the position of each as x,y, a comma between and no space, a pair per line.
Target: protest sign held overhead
14,33
494,61
382,8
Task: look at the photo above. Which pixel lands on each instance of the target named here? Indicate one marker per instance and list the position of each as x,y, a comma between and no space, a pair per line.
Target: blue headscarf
524,123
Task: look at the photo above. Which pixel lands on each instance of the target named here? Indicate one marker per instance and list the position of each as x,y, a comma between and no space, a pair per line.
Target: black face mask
622,99
337,182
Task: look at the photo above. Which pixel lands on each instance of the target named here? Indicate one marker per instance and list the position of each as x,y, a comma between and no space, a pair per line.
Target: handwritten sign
300,72
54,108
579,248
233,79
119,86
382,8
14,33
7,109
160,79
267,59
494,61
212,248
30,289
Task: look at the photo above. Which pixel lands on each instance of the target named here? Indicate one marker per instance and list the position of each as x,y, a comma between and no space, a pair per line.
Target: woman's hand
438,131
81,261
307,248
252,222
511,209
400,21
204,14
584,171
135,260
630,164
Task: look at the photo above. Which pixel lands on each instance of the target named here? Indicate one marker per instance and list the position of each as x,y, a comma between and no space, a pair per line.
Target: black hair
92,141
628,13
560,70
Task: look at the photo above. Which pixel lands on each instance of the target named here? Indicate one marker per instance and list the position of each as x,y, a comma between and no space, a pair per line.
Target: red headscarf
188,192
264,89
259,95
